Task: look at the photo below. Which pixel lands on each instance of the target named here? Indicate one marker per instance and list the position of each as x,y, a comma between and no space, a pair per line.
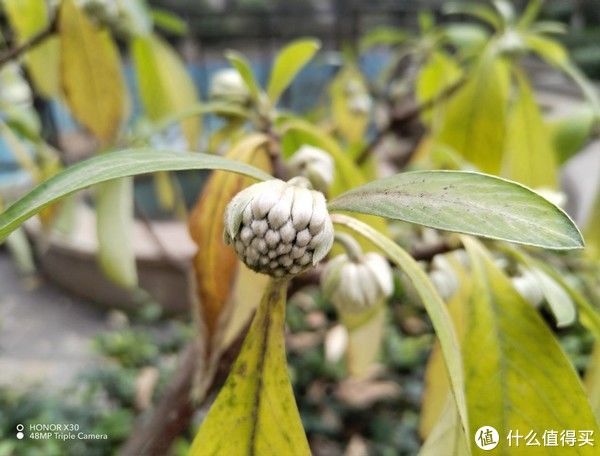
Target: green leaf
477,10
241,64
288,64
168,21
550,50
435,306
592,230
558,299
382,36
570,134
529,156
20,250
475,118
447,436
28,18
165,86
255,411
91,74
109,166
530,14
517,377
465,202
114,222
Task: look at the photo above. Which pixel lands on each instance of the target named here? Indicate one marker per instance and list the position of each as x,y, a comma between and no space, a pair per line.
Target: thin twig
35,40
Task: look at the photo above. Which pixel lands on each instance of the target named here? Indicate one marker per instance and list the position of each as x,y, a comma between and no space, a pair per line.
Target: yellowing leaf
165,86
255,412
529,156
446,437
91,73
592,230
351,123
28,18
216,263
288,64
114,217
517,377
475,118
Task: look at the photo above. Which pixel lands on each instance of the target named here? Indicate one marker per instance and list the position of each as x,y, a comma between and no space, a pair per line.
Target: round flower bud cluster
227,85
359,284
315,164
279,228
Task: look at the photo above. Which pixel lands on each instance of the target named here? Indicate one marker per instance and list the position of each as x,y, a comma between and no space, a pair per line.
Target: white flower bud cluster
279,228
359,285
315,164
528,286
227,85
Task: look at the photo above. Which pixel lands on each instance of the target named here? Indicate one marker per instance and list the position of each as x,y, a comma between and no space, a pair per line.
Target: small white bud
315,164
228,85
529,288
361,104
336,343
269,225
359,285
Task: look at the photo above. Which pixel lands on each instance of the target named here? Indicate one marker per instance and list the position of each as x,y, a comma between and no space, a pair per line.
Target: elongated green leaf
91,74
20,250
114,221
517,377
529,157
288,64
109,166
446,437
465,202
436,308
382,36
558,299
592,230
570,134
475,118
241,64
165,86
477,10
255,411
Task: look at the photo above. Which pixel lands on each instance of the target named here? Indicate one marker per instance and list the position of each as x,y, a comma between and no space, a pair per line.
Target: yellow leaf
517,376
446,437
165,86
255,412
28,18
475,117
529,157
350,123
215,263
592,230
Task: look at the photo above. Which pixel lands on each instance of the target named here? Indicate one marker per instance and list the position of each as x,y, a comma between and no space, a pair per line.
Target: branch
32,42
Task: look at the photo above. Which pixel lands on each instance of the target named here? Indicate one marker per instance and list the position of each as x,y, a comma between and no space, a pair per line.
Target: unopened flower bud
228,85
527,285
361,104
279,228
315,164
357,285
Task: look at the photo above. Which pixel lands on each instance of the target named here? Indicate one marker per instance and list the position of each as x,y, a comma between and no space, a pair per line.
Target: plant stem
351,246
16,51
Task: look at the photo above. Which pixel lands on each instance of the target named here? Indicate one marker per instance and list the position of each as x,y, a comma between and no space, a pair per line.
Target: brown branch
35,40
401,118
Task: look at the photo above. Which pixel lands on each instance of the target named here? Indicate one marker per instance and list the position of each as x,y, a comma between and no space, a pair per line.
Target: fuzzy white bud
228,85
528,286
361,104
315,164
279,228
359,285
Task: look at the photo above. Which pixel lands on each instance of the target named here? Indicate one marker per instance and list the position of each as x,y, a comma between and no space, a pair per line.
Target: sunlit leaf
382,36
477,10
529,156
243,67
517,377
435,306
465,202
164,84
216,263
114,222
288,63
475,117
570,134
91,75
592,380
168,21
530,14
28,18
109,166
550,50
446,437
255,411
466,37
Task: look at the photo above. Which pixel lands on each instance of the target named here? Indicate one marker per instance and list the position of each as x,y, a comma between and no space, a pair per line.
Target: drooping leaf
465,202
28,18
561,305
110,166
435,306
114,222
288,63
479,11
241,64
550,50
91,74
570,134
216,263
382,36
255,411
529,156
164,84
475,117
517,377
